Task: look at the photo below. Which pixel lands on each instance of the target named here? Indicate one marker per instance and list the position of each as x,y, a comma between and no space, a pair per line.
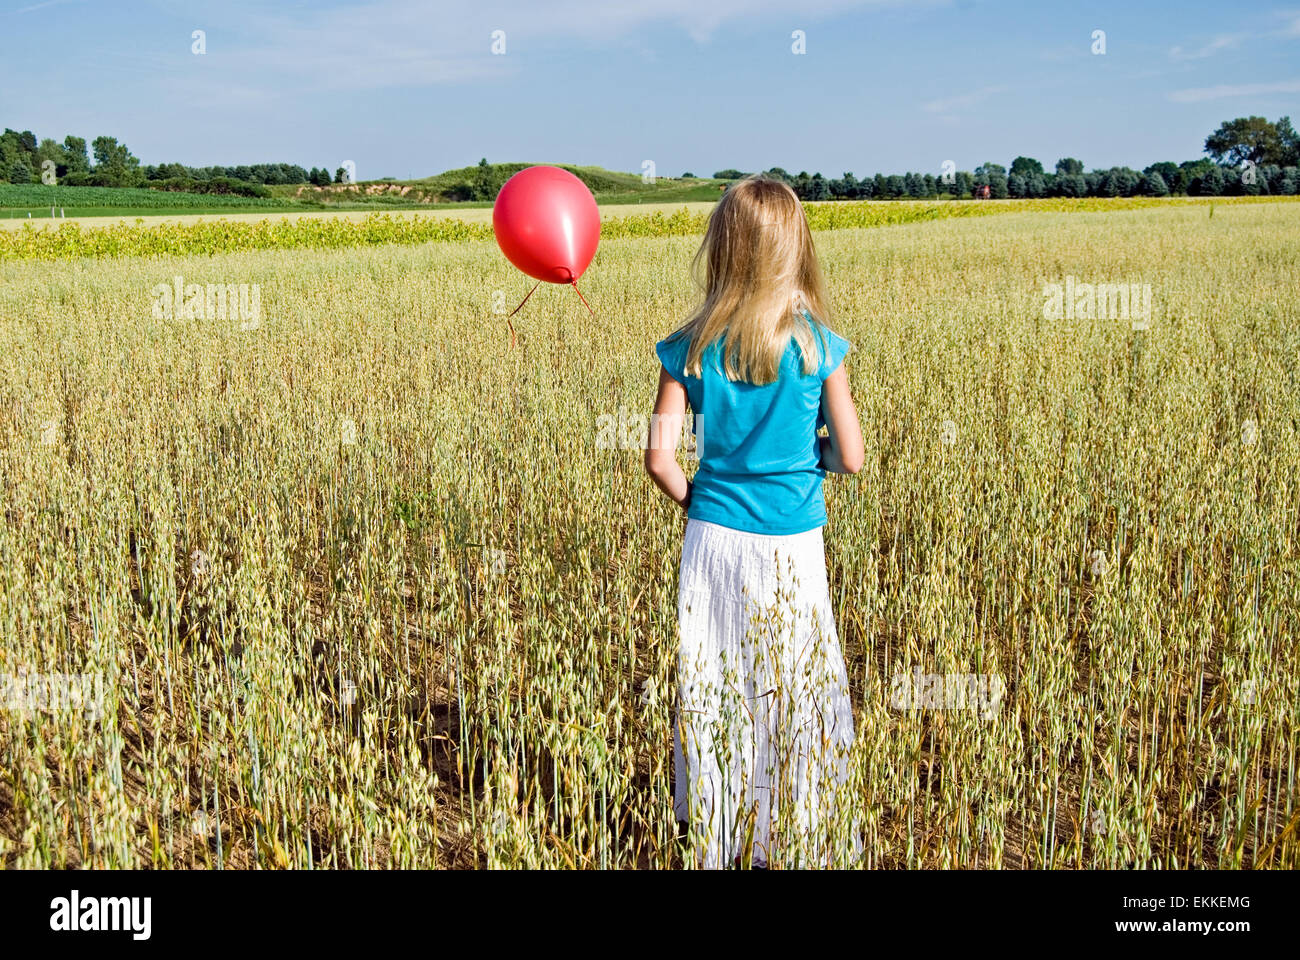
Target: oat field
358,587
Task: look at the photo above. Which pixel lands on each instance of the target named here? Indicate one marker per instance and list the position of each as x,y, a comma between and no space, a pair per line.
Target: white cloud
1225,41
40,6
946,105
605,19
1225,90
400,43
1230,41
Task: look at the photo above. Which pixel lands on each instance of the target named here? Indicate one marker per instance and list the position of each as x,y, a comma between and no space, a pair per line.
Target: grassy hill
457,187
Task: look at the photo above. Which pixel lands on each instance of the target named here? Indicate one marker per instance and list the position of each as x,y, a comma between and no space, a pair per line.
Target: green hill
463,186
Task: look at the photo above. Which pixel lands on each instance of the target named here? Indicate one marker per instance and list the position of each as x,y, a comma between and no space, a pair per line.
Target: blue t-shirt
757,443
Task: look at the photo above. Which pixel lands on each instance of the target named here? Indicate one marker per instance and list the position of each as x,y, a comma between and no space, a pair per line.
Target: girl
763,725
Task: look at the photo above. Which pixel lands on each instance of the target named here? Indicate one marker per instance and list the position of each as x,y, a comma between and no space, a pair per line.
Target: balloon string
573,283
524,300
582,298
513,338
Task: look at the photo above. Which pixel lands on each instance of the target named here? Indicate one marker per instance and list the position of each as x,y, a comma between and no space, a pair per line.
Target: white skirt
763,704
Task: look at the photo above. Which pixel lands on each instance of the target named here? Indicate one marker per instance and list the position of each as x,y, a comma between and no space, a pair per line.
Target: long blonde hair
758,270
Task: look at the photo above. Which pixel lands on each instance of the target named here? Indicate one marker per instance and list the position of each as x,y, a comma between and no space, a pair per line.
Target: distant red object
983,192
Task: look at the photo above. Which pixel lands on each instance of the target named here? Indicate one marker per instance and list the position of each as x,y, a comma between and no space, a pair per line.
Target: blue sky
407,89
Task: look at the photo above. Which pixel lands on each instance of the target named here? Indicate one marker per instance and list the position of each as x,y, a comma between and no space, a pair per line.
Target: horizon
980,82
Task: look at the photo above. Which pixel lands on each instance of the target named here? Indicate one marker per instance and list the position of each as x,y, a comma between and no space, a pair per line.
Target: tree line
1249,155
24,160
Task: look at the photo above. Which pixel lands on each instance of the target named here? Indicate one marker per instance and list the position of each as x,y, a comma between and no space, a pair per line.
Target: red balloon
547,224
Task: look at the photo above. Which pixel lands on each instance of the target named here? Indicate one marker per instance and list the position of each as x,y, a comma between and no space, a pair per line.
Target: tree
846,186
1153,185
14,148
20,173
1246,138
1265,176
1189,171
1289,143
1119,182
115,166
52,151
1209,184
485,185
1273,176
729,174
74,154
173,171
1071,185
1026,167
1168,173
995,175
341,175
1068,166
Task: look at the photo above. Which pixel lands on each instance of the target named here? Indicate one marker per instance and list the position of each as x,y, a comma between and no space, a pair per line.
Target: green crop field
359,586
19,200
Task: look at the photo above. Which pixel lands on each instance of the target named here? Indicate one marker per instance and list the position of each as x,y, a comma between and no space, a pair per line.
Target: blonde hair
758,270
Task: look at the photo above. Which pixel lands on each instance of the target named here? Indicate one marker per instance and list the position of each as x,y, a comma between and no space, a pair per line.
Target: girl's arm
665,432
841,451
